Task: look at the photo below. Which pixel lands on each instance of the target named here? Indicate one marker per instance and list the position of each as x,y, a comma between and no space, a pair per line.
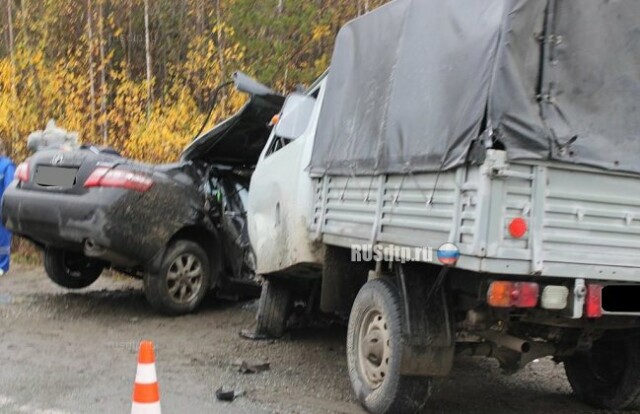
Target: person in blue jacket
7,170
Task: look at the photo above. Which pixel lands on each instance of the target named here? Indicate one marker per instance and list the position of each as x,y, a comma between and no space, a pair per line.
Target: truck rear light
554,297
107,177
499,294
518,228
503,294
528,294
593,302
22,172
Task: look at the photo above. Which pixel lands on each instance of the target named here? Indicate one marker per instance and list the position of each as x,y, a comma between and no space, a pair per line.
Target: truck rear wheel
71,270
374,353
608,375
273,308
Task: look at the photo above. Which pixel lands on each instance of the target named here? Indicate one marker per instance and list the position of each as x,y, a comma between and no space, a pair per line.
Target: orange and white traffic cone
146,395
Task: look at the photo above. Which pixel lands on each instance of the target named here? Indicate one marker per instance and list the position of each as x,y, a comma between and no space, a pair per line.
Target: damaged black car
181,227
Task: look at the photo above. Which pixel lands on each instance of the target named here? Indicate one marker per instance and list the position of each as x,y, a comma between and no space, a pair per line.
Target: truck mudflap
428,331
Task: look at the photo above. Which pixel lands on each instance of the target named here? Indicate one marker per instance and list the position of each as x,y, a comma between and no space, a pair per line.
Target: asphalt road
67,352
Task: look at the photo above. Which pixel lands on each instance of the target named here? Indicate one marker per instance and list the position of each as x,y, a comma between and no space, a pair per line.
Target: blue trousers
5,249
7,170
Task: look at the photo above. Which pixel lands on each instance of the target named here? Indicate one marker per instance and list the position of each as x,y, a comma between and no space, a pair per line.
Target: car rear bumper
88,223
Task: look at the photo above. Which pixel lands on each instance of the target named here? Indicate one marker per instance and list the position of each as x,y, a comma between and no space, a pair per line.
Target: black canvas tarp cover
415,84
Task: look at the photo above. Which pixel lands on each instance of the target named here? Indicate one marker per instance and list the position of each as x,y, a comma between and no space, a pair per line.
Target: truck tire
183,279
71,270
374,353
274,308
608,375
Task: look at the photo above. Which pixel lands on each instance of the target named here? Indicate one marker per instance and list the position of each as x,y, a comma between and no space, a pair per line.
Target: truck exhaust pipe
513,343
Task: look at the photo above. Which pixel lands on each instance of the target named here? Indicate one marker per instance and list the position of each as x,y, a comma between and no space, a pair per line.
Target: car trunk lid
64,171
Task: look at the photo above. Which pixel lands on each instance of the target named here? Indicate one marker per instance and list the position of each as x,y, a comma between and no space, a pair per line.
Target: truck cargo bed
582,222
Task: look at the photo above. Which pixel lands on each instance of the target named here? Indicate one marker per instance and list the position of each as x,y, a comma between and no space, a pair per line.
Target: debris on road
228,395
245,367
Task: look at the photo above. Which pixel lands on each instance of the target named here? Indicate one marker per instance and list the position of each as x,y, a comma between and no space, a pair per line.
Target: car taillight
22,172
503,294
107,177
593,303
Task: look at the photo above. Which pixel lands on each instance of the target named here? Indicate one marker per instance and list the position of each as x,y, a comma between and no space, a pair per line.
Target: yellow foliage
31,92
321,32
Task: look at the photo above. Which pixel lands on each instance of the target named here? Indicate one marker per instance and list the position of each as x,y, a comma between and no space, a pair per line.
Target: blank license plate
621,298
55,176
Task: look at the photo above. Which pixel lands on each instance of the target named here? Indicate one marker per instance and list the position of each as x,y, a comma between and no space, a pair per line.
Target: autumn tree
138,75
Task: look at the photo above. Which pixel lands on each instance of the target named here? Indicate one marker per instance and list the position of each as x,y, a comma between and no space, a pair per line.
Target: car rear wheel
183,280
71,270
608,375
374,353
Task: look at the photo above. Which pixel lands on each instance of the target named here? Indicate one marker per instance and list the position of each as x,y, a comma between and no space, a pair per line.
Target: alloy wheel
185,277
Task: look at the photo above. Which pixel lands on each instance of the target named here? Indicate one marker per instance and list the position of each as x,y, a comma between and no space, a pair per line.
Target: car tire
274,308
608,375
71,270
374,353
183,280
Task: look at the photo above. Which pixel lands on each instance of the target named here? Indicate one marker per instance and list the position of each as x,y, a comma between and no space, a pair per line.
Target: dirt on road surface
75,352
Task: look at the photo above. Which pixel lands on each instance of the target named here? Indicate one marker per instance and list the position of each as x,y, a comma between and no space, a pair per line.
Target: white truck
501,137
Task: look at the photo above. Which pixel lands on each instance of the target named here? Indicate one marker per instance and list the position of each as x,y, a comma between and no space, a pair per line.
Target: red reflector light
106,177
527,295
503,294
518,227
593,303
22,172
